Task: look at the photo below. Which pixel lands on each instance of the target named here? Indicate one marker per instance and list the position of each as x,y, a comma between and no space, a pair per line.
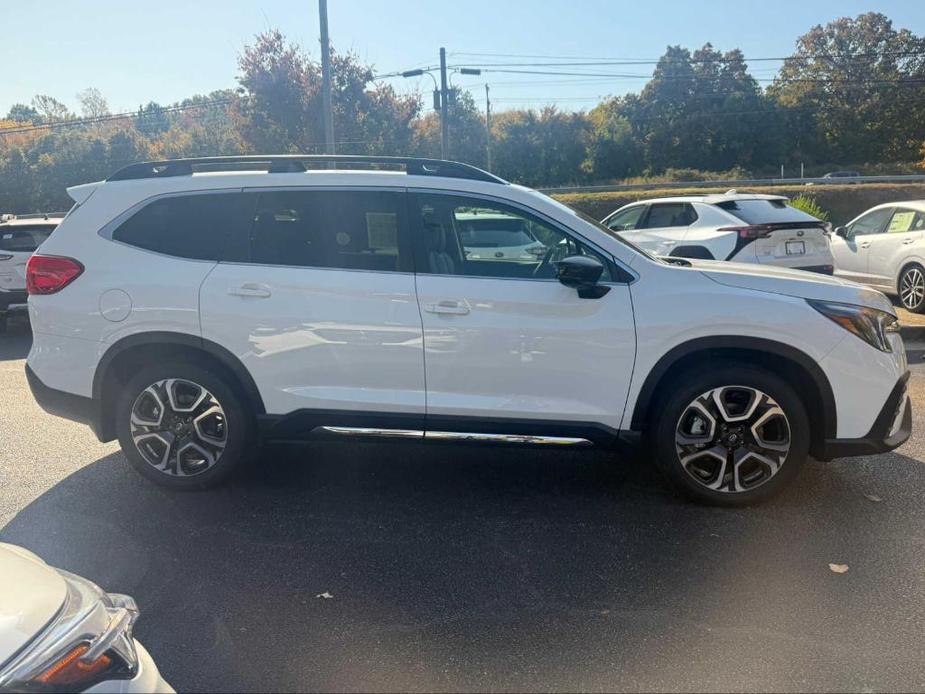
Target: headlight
869,324
88,641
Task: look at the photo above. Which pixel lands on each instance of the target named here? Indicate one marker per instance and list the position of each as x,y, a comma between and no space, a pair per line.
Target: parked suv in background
191,309
744,227
885,248
20,235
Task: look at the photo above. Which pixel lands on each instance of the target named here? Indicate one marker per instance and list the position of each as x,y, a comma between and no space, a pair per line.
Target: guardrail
908,178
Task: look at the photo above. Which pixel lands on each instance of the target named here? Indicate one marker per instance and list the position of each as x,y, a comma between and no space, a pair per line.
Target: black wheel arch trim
756,344
219,353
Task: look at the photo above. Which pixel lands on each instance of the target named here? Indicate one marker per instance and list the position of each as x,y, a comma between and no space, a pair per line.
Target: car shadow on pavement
17,340
345,566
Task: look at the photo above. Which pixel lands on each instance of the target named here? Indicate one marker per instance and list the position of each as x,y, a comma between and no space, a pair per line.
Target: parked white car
487,235
61,633
191,309
20,236
885,248
744,227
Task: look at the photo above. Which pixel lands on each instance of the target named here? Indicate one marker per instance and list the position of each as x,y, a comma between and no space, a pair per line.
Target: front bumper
147,679
890,430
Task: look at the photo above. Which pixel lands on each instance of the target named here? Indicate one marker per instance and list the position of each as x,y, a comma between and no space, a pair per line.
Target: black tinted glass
353,230
24,239
187,226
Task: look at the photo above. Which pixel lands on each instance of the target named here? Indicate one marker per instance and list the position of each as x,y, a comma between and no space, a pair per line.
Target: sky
136,51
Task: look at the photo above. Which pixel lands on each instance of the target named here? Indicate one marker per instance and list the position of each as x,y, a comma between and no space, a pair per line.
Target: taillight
753,231
48,274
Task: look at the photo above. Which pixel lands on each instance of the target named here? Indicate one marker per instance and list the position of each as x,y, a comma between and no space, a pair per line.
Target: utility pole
444,100
326,106
487,129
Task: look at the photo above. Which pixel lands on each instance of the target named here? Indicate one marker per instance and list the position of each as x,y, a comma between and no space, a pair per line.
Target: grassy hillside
843,202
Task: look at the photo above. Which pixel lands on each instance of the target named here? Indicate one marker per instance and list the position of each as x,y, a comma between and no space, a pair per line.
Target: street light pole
487,129
326,105
444,99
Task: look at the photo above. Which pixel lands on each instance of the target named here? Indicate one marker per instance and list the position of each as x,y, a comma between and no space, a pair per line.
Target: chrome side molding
455,436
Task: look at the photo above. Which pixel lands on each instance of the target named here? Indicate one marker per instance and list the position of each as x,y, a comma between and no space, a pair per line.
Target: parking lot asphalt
346,566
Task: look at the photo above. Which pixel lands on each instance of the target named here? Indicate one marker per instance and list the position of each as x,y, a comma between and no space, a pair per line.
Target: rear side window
351,230
765,211
24,239
186,226
669,215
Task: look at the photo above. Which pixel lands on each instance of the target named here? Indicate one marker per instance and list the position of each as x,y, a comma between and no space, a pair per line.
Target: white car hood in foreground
798,283
31,593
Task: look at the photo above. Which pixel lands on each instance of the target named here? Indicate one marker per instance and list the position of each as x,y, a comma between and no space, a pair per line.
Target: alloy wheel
732,439
178,427
912,288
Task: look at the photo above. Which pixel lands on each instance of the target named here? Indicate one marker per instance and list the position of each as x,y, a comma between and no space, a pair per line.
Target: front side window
477,238
24,239
626,219
870,223
186,226
350,230
664,215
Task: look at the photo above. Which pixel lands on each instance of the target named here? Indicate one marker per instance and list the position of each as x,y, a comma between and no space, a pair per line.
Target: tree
23,114
50,109
92,103
540,148
862,81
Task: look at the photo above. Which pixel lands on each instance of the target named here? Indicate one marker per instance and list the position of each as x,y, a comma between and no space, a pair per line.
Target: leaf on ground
873,497
324,596
839,568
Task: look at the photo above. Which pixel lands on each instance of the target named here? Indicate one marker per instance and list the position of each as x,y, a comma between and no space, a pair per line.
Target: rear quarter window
195,226
765,211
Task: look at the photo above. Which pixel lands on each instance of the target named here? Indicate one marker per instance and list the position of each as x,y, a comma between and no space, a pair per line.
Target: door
890,248
318,302
504,340
664,227
852,252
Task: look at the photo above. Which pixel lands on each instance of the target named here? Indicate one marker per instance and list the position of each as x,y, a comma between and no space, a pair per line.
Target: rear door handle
251,289
453,308
865,244
908,242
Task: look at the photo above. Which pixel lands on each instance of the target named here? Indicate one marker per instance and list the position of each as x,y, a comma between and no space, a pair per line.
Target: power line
76,122
656,61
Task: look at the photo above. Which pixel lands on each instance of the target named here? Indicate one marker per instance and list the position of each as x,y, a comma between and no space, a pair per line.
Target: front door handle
908,242
864,244
251,289
452,308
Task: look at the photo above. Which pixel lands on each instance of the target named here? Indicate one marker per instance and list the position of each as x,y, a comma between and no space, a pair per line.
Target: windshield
24,239
765,211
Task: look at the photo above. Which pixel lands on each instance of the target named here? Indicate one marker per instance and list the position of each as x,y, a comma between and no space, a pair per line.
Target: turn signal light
48,274
71,670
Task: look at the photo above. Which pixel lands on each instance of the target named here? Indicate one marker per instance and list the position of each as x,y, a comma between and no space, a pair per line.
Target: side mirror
582,272
841,231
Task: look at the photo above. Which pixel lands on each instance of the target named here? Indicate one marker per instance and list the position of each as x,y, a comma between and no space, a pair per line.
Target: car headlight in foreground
87,642
869,324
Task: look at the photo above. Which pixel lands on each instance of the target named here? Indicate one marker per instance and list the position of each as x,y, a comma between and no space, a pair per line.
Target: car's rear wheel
731,436
182,426
912,288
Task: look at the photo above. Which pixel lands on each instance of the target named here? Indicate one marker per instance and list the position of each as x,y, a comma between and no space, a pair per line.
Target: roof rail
296,163
38,215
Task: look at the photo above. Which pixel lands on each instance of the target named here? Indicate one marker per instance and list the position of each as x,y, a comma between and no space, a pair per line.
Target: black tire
4,322
237,424
673,404
912,276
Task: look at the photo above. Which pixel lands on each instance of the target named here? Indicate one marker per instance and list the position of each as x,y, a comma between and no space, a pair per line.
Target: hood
32,594
798,283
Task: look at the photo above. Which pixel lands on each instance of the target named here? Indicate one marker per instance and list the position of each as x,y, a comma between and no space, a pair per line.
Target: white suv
20,236
743,227
191,309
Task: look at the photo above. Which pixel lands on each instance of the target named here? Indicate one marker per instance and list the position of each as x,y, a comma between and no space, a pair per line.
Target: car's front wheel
730,436
912,288
182,426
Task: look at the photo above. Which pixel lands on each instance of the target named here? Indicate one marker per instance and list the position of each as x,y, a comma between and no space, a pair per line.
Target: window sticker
902,221
382,229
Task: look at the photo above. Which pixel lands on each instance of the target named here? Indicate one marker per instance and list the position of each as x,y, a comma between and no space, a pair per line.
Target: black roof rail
35,215
296,163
